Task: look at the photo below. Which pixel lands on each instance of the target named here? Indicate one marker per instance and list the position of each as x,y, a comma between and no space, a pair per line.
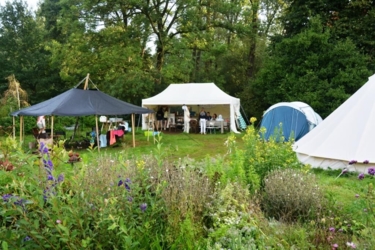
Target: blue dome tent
295,119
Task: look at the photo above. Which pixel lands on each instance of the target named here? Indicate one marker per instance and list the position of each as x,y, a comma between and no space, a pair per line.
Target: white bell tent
347,134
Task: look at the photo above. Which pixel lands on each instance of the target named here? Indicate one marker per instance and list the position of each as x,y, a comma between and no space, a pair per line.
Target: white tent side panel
346,134
194,94
334,164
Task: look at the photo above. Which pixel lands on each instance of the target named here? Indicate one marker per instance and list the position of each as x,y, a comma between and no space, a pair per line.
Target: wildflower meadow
255,196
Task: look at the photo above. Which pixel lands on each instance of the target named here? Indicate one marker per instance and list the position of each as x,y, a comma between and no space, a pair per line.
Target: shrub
291,195
232,219
250,165
105,202
261,157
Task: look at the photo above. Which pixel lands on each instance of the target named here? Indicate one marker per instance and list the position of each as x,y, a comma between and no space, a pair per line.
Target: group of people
162,116
161,119
203,118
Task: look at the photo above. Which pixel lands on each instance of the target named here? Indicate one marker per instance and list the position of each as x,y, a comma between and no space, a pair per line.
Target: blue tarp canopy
79,102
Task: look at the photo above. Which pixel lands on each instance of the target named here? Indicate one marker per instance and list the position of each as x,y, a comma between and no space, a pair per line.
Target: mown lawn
175,144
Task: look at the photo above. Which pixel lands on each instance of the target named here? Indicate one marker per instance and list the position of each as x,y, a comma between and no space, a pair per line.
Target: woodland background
262,51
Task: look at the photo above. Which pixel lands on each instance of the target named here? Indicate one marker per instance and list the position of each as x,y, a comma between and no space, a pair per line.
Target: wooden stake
86,82
97,132
133,130
52,130
21,128
14,128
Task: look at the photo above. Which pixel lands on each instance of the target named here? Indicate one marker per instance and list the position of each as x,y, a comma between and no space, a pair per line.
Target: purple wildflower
344,171
43,148
50,177
60,178
48,166
20,202
334,246
332,229
6,197
143,207
27,238
365,162
127,180
361,176
130,199
371,171
352,162
120,183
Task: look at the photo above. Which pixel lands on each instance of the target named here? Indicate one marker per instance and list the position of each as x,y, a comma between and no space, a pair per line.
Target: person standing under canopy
159,119
41,124
202,121
186,118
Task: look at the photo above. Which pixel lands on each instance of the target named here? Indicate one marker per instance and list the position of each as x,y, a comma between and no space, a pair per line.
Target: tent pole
133,130
23,129
139,120
97,132
52,128
21,121
243,111
86,82
14,128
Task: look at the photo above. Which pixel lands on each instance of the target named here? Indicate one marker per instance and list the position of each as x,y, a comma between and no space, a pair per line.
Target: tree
344,19
311,68
22,51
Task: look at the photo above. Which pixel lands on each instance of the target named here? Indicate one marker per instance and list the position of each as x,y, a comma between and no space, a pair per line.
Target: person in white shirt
203,121
186,118
165,118
41,124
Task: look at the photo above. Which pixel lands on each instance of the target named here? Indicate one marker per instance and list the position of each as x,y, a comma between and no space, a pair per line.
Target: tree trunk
254,32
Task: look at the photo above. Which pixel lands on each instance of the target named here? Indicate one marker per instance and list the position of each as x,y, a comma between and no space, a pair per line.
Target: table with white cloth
217,125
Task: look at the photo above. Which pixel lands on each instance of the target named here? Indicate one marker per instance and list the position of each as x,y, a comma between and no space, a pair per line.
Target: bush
250,165
104,202
291,195
233,219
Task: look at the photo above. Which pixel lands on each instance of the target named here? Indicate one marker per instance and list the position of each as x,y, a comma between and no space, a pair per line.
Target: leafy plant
291,195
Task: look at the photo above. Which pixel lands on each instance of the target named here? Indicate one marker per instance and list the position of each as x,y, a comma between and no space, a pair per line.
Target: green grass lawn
174,144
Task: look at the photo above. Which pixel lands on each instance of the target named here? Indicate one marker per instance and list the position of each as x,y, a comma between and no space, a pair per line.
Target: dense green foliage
263,51
311,68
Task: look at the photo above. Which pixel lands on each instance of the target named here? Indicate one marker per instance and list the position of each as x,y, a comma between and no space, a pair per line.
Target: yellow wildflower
253,119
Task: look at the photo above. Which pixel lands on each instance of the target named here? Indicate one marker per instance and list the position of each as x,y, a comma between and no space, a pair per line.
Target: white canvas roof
196,94
191,93
345,135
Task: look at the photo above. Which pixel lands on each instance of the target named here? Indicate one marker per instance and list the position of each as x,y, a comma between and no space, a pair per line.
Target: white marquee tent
348,134
197,95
